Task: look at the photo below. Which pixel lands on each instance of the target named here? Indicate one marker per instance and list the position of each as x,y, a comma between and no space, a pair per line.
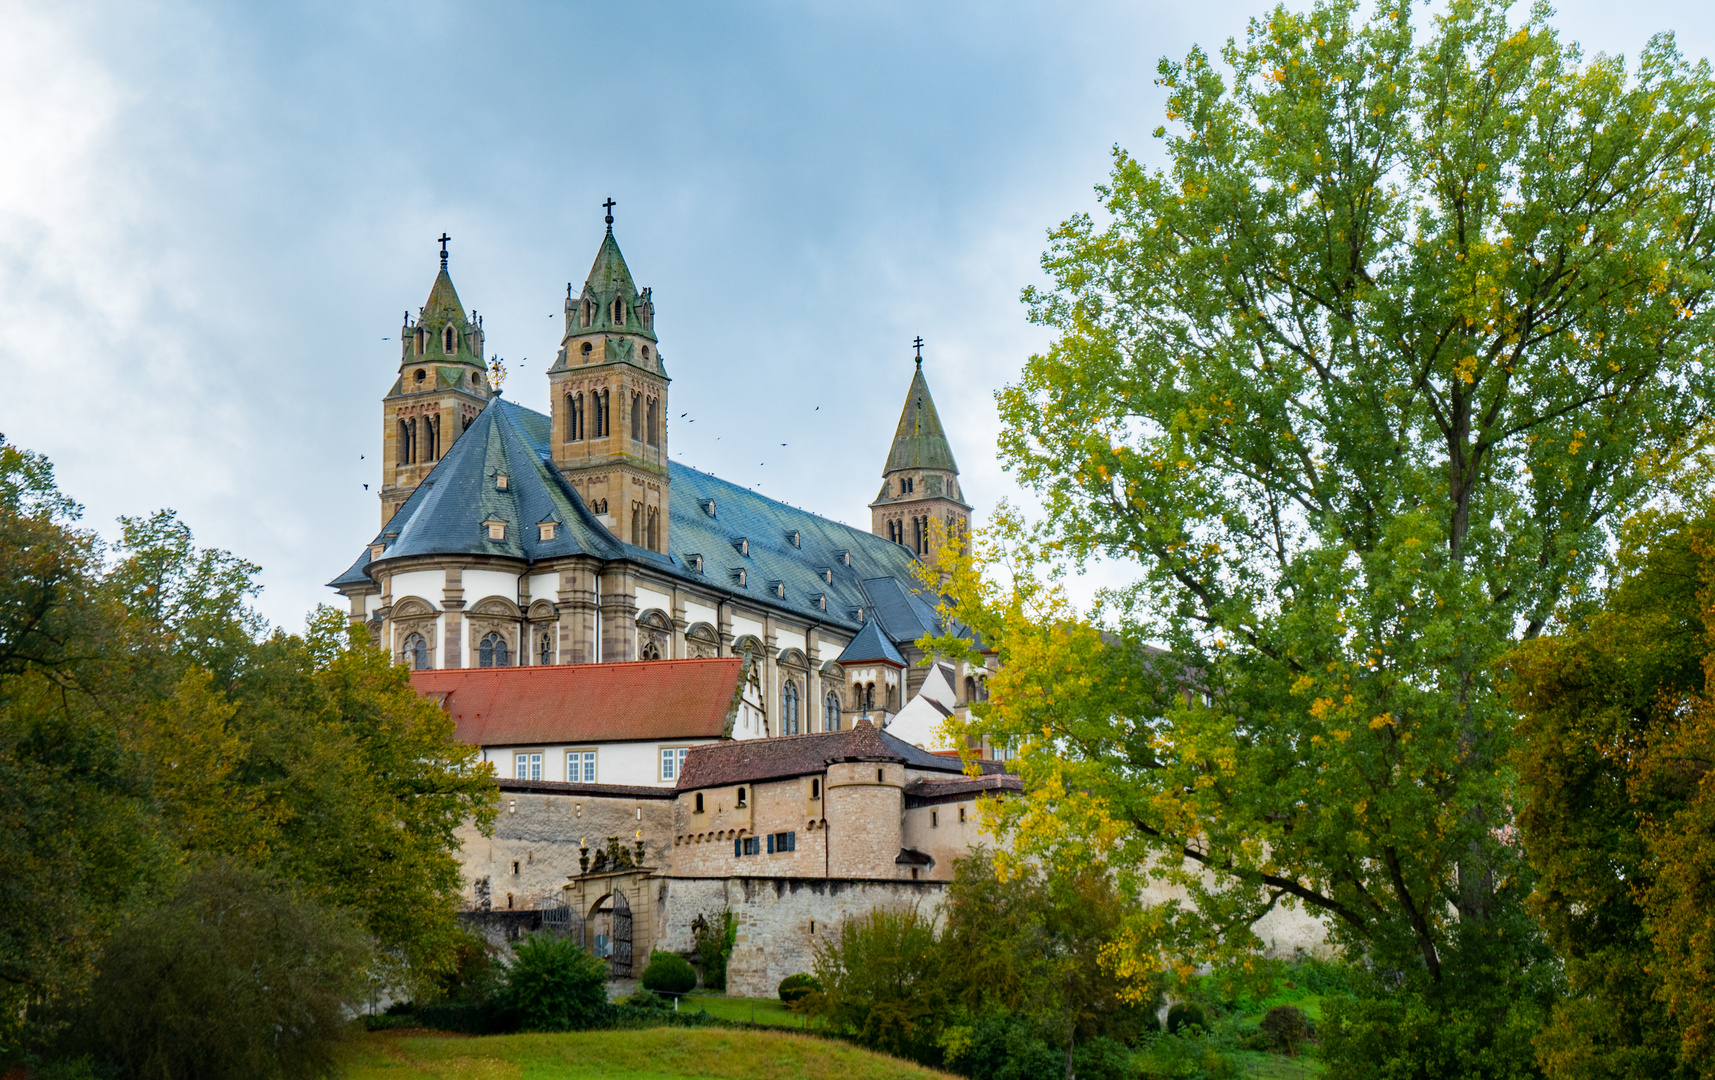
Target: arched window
637,417
416,653
584,316
650,651
420,339
618,312
407,452
432,431
637,523
586,349
420,376
970,689
449,340
546,645
652,428
651,530
789,708
831,713
869,696
493,652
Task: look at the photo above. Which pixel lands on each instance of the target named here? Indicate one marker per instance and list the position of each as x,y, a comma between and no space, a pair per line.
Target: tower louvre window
637,523
449,340
585,315
652,424
618,311
420,336
637,416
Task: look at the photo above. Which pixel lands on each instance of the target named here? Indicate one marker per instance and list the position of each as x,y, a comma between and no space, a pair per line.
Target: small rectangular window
748,845
580,766
771,843
782,842
699,808
815,789
673,762
961,815
496,530
934,819
546,530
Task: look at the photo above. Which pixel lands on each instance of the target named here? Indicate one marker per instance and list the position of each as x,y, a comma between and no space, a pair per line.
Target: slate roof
795,558
750,760
557,787
931,792
920,442
588,703
871,645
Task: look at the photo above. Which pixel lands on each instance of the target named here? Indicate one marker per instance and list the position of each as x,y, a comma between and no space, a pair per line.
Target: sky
213,216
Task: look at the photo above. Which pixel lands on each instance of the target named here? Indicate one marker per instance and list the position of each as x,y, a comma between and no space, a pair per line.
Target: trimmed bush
669,973
1185,1015
1286,1028
554,984
795,988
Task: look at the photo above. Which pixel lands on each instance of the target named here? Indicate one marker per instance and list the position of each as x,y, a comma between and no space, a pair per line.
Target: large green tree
1606,702
1358,379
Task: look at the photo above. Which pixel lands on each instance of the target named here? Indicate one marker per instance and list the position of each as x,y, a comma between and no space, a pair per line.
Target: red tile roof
588,703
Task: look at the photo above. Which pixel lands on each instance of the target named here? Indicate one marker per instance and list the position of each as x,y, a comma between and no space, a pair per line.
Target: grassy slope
758,1010
652,1054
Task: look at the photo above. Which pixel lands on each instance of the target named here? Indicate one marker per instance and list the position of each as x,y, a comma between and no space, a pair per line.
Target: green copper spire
920,442
610,280
443,305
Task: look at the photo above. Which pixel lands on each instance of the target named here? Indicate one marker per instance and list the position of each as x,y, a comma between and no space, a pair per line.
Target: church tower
442,386
608,393
920,505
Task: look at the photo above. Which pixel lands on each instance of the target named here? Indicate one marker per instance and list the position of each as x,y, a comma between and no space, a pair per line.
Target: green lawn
757,1010
650,1054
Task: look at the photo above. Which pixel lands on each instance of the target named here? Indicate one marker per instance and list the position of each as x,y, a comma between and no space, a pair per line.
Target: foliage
145,720
1186,1014
231,977
1286,1027
1359,381
669,973
883,982
1614,730
795,988
713,933
1193,1054
554,984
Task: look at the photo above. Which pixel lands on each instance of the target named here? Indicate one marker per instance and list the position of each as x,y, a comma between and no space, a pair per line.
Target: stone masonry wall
779,919
540,833
703,843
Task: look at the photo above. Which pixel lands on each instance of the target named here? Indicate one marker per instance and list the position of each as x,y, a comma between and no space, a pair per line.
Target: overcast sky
212,218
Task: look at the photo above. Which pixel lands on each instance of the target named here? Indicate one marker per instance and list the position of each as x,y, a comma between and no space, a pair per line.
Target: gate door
621,958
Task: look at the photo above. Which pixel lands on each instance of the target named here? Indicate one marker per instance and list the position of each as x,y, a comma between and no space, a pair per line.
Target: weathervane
918,341
610,204
444,238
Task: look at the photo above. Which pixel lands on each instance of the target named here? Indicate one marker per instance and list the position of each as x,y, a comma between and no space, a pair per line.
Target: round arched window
421,375
789,708
449,340
493,651
831,713
416,653
586,349
475,378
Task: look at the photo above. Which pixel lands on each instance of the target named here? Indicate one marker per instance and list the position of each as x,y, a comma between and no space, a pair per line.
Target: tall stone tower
442,386
920,505
608,394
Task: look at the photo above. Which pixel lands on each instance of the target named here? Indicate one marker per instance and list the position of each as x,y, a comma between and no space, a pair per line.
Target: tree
1612,711
232,977
1358,380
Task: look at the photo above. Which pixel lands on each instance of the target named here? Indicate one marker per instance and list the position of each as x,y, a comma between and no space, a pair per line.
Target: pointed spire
443,305
920,442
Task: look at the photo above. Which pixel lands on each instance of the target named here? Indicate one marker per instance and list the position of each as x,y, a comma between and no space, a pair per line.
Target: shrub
1286,1028
714,933
1192,1055
644,999
554,984
1186,1014
795,988
669,973
882,982
1102,1058
231,977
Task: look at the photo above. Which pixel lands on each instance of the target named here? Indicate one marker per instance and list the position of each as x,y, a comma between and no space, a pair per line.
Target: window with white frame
580,766
527,765
673,761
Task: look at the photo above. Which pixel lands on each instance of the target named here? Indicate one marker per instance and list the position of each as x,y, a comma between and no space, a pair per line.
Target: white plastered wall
481,584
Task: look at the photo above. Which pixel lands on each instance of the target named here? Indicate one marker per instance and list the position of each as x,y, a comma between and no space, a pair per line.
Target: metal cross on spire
444,238
610,204
918,341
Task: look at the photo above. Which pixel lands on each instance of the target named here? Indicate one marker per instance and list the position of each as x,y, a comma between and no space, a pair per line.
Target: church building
512,537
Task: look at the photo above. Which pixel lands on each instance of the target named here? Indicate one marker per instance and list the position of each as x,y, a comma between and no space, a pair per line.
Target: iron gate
621,957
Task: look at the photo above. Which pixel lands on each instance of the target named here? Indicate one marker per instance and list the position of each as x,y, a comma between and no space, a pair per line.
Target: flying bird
366,487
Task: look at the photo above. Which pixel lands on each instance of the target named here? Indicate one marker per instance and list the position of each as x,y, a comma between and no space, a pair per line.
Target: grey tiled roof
871,644
795,559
